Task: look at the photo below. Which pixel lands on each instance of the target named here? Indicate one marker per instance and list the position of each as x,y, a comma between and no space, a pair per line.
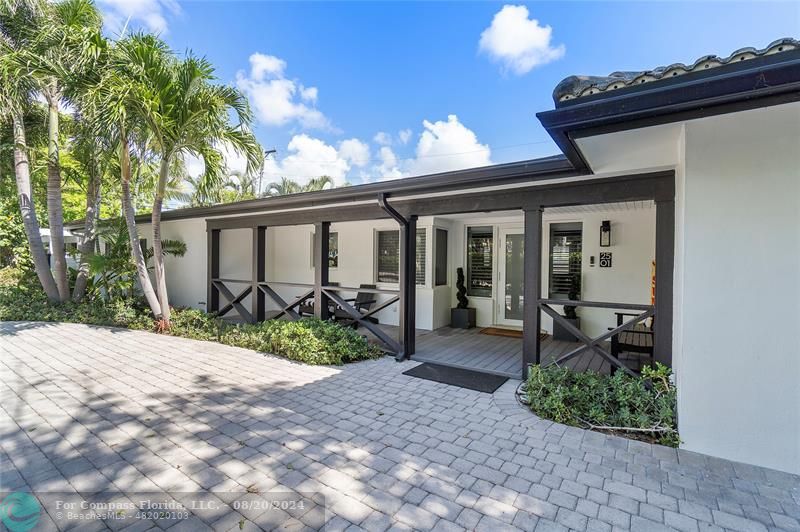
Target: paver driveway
96,409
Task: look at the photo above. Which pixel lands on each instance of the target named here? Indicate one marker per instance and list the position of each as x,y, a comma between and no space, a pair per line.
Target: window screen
565,259
387,260
420,256
480,244
440,253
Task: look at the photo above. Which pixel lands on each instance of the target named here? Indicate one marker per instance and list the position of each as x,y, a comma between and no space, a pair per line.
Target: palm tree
283,187
16,22
167,109
56,54
119,104
77,38
319,183
288,186
192,116
92,152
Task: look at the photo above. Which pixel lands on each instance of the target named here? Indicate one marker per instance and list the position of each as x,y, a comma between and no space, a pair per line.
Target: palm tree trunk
55,216
130,221
90,229
26,207
158,251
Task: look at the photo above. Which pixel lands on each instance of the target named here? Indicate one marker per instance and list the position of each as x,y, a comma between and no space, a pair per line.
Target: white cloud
354,151
262,65
405,136
235,163
150,14
443,146
309,94
517,42
194,165
388,169
310,157
448,145
382,138
276,99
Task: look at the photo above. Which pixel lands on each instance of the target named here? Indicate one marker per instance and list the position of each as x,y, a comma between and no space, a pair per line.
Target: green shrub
311,341
25,301
612,402
196,324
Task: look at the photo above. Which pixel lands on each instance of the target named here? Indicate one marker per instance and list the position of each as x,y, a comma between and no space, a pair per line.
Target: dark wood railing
596,344
286,308
234,301
362,319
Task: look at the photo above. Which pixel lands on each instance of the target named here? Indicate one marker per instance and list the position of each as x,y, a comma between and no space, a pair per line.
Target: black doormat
464,378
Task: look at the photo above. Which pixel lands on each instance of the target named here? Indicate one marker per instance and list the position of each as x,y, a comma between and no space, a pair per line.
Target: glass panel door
511,292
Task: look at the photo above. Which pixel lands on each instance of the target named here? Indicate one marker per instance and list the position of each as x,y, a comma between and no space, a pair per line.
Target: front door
511,274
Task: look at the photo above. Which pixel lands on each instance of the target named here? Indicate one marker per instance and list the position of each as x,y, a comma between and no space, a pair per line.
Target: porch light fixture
605,234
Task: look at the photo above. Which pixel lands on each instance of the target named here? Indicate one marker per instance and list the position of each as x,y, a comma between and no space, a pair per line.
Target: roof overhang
760,82
456,182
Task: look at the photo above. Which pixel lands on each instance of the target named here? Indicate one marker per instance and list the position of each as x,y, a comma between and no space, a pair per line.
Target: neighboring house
694,169
71,241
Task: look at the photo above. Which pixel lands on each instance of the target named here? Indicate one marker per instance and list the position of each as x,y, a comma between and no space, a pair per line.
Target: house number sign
605,259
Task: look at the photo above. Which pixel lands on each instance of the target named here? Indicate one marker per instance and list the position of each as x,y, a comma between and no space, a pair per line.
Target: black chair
363,302
637,341
306,308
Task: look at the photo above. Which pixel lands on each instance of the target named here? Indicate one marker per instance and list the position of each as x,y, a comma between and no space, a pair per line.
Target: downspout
388,209
407,282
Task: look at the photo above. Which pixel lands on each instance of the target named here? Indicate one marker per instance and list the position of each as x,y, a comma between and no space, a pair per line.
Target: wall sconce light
605,234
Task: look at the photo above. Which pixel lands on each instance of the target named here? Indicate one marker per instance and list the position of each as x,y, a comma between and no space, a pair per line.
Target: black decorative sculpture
559,331
572,295
462,317
463,302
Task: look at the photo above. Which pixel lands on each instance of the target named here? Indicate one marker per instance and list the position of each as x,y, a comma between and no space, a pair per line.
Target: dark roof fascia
501,174
760,82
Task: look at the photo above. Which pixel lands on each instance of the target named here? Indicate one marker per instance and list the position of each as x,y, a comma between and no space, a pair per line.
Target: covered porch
497,355
405,288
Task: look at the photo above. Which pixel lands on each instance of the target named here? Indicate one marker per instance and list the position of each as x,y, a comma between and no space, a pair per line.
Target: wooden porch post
259,274
531,316
410,286
212,294
665,266
322,233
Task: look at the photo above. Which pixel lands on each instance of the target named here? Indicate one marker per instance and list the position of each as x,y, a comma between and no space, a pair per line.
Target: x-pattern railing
234,301
362,319
286,308
597,343
289,309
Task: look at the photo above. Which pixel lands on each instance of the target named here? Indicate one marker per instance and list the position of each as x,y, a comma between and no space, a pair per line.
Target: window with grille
420,255
387,257
565,259
440,254
480,259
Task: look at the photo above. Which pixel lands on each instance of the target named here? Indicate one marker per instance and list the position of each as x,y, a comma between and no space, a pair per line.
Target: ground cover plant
642,407
311,341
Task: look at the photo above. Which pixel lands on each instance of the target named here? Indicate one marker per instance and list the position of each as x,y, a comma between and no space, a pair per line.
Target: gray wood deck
500,355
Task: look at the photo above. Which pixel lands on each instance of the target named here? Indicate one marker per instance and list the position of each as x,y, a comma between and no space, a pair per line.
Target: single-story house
676,201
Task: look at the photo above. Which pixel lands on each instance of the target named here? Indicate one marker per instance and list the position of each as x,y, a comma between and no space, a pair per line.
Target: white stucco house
676,198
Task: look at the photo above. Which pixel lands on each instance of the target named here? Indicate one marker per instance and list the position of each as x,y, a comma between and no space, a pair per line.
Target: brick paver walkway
96,409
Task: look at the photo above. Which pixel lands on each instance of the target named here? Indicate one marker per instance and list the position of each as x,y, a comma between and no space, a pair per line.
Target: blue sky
325,79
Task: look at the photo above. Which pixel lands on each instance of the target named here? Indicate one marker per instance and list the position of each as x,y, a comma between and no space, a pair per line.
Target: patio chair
362,303
637,343
306,308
